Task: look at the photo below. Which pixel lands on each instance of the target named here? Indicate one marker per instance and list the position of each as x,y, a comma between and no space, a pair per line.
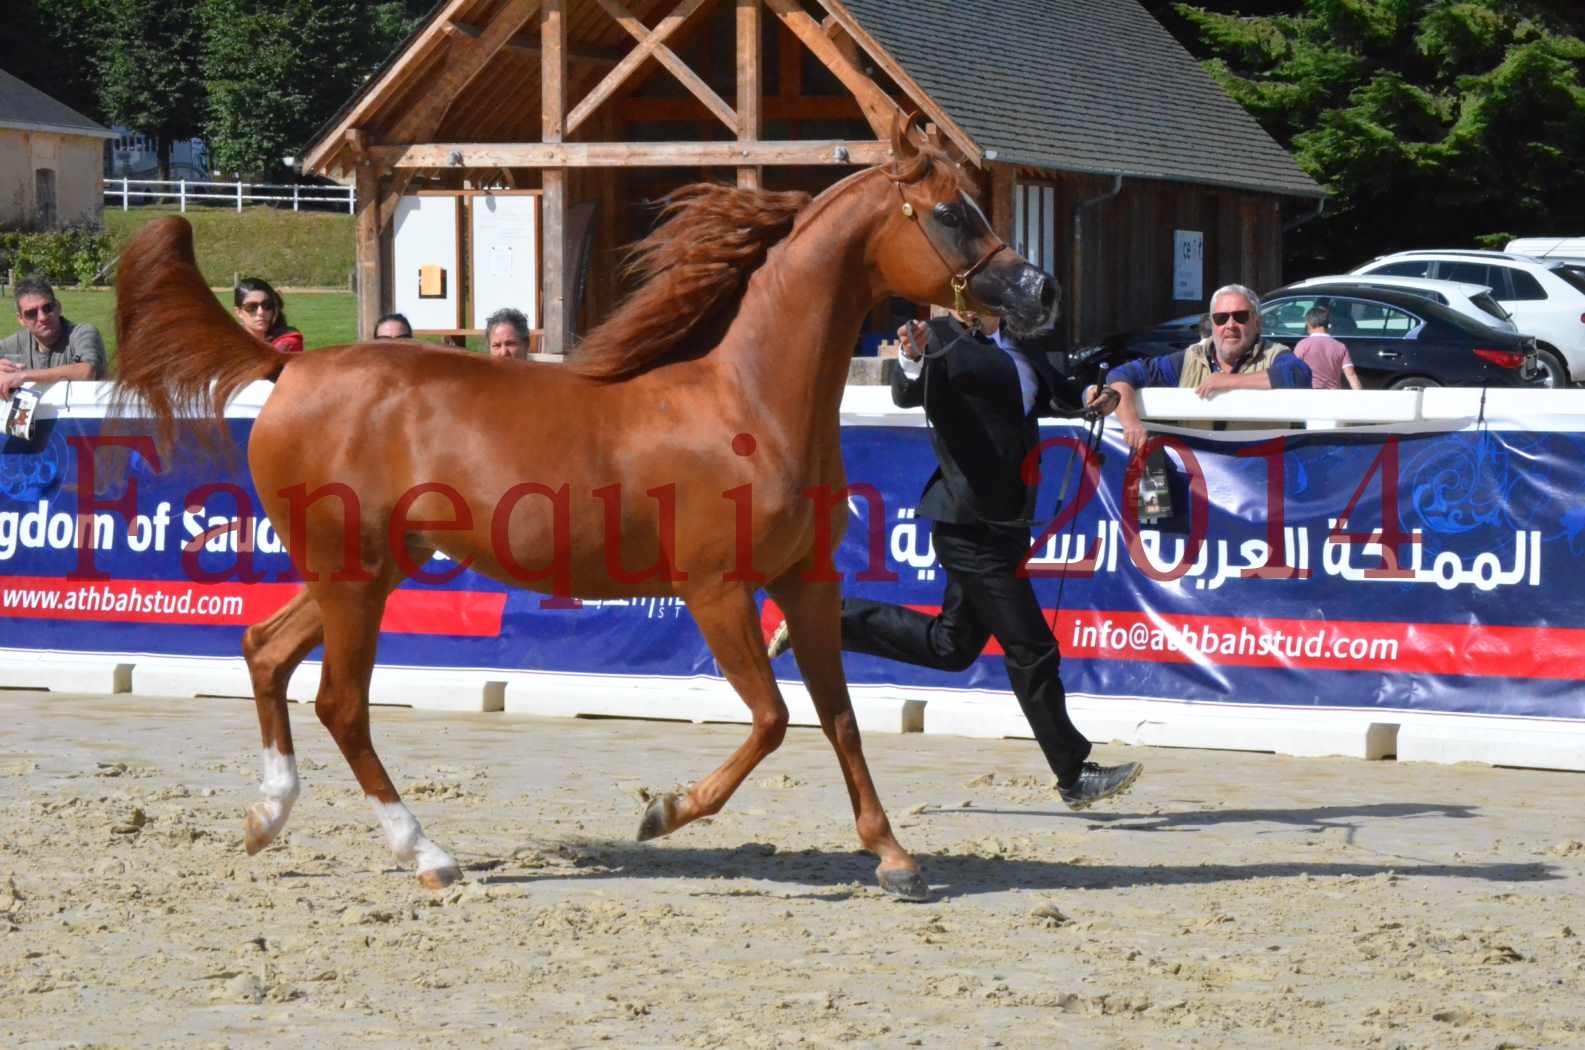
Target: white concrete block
1538,743
697,699
65,672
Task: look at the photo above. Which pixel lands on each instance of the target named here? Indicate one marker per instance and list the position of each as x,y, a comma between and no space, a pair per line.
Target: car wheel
1412,383
1554,373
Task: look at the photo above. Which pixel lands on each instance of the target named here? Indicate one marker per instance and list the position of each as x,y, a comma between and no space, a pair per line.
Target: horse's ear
904,148
934,137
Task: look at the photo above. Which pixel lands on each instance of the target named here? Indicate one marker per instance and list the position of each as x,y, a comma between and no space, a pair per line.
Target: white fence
227,193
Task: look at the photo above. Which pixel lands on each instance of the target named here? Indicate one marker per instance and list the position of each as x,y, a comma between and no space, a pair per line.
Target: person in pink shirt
1328,359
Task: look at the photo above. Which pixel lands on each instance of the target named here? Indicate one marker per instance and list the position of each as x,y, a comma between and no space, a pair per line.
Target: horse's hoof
440,878
904,883
256,834
659,819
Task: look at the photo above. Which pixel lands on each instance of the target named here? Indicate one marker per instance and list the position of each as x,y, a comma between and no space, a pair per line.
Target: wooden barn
1107,155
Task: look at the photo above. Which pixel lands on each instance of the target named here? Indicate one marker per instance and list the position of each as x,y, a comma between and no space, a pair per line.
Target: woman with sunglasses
259,309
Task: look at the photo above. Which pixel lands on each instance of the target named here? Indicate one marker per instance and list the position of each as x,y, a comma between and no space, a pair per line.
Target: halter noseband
960,281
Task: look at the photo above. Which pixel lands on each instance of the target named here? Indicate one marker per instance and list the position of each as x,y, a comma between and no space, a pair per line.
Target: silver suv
1545,296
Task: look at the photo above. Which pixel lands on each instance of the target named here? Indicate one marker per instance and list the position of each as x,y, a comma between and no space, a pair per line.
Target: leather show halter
960,280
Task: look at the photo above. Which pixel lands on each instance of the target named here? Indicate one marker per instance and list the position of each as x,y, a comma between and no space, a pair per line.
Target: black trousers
984,598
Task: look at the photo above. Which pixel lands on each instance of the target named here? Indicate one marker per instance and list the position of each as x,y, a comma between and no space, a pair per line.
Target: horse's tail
179,354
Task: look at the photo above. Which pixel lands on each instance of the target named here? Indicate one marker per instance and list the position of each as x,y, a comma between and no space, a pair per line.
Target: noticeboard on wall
504,254
426,249
1188,265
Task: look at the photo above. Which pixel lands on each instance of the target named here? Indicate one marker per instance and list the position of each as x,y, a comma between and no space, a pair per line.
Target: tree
1432,122
147,59
277,71
38,33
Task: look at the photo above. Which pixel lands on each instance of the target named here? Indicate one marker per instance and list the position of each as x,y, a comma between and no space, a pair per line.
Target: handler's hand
1103,402
913,336
10,379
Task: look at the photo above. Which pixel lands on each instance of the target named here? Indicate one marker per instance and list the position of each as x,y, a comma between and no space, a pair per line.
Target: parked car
1567,249
1472,300
1545,297
1396,339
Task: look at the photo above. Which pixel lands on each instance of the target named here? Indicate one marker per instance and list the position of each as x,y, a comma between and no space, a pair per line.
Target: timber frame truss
388,135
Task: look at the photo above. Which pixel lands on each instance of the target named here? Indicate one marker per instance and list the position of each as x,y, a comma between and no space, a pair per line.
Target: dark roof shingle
23,105
1096,86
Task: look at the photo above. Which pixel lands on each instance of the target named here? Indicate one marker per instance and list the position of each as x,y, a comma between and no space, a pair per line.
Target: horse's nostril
1048,293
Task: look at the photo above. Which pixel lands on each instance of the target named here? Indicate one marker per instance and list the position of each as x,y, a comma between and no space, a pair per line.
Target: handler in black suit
983,397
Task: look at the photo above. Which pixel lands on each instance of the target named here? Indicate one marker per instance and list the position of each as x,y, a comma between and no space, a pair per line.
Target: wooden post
750,86
367,231
553,204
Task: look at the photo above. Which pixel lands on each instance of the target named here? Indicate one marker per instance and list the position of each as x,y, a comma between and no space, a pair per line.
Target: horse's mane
694,267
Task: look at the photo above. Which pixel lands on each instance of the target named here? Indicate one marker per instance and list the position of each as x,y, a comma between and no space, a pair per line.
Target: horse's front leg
727,619
814,618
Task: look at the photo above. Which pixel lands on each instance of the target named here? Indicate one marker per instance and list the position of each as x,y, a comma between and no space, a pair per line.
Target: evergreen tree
1434,123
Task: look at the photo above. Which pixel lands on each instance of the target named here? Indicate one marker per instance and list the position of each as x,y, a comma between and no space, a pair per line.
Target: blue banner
1340,569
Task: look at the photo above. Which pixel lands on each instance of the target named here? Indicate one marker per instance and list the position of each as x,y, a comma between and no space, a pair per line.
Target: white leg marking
407,839
280,788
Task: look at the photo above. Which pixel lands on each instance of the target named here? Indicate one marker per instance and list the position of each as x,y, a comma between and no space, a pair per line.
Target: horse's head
941,247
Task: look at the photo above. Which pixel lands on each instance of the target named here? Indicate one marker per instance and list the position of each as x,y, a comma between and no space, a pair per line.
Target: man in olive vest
1234,358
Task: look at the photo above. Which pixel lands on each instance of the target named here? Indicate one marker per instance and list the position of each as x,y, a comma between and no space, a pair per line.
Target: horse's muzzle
1031,302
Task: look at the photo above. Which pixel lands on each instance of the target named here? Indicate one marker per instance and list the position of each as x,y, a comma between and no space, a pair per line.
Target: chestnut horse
684,434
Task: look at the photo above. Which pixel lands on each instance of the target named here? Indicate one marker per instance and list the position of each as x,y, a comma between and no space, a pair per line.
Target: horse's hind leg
273,649
814,617
730,626
352,629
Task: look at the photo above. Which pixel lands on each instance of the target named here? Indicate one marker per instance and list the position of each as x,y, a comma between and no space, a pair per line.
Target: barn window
1035,223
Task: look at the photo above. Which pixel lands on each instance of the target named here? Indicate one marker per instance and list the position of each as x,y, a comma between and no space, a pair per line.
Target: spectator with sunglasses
49,347
261,312
1234,358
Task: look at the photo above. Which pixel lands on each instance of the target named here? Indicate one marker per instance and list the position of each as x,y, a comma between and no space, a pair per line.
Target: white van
1569,249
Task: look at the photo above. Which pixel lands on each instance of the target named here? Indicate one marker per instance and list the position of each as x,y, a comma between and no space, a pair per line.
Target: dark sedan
1397,340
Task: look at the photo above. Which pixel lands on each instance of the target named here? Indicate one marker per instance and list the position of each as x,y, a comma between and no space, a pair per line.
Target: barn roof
26,108
1095,86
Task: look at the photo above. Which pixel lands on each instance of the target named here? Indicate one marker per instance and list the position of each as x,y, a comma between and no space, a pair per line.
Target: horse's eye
948,216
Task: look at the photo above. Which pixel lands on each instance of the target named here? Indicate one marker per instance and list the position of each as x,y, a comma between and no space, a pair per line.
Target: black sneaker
1097,782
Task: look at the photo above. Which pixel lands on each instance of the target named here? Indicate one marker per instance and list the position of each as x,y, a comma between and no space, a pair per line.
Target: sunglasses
36,312
1241,316
253,308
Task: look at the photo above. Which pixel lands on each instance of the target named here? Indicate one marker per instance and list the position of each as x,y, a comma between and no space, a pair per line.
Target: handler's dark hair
1318,317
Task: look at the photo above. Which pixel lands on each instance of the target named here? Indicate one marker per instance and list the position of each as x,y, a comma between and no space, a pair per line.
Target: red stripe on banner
1471,650
473,614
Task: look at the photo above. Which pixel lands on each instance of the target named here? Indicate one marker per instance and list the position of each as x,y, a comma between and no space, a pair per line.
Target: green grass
324,318
306,249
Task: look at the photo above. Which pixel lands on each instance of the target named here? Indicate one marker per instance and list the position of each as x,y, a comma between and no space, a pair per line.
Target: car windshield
1486,303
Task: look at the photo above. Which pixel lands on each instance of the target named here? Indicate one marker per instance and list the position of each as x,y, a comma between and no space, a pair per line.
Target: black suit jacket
979,428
